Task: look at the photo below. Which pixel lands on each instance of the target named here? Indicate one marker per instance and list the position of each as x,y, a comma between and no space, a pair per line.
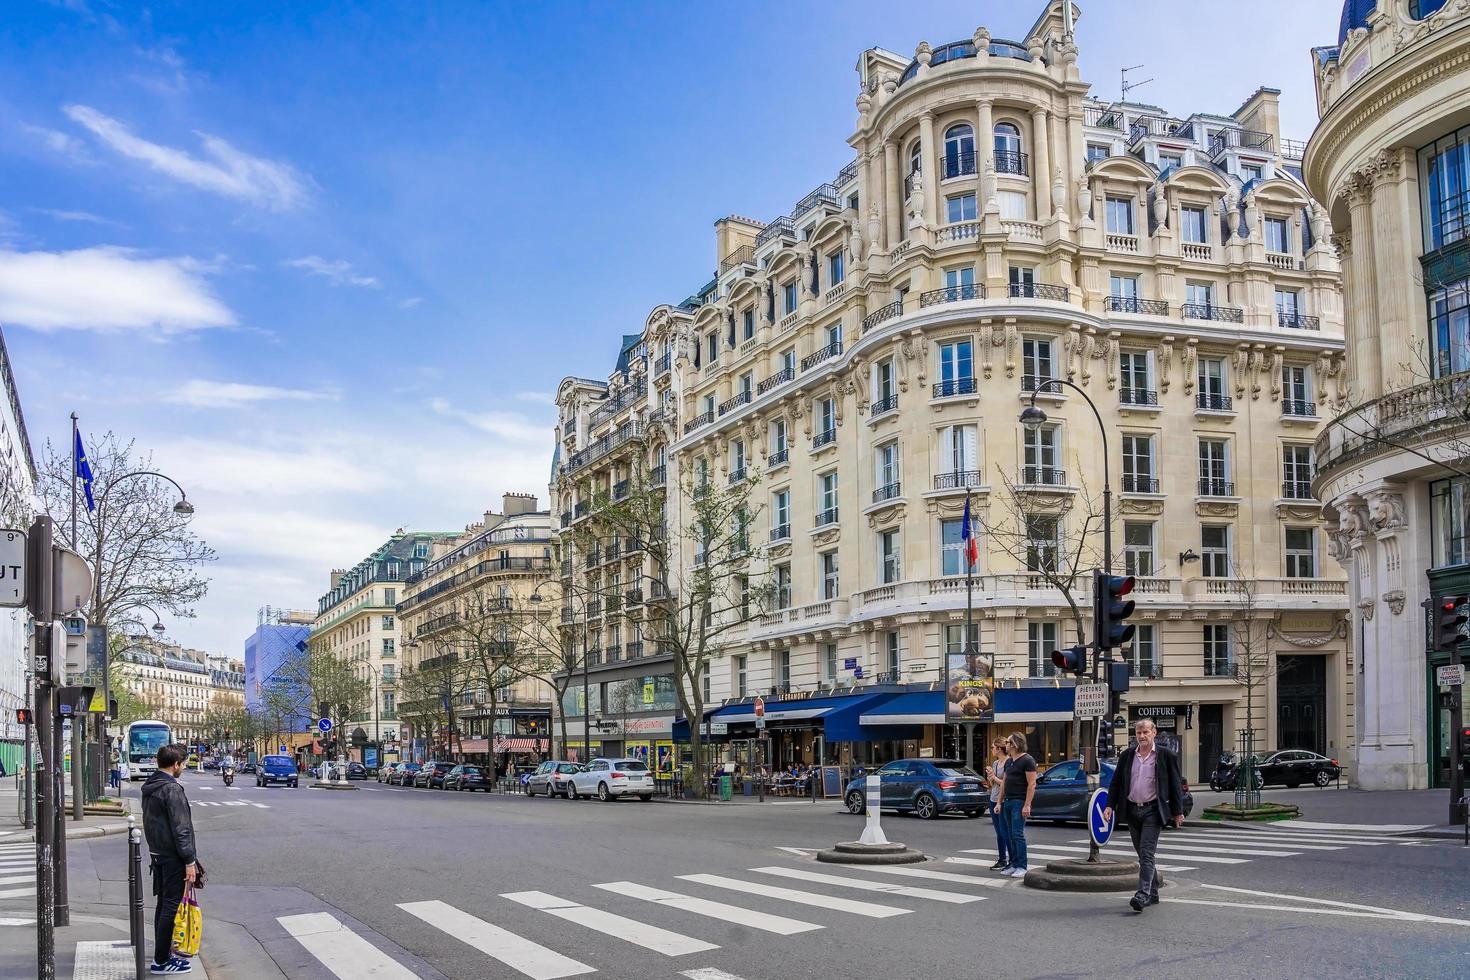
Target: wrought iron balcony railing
1216,487
953,387
817,357
1132,304
1137,396
952,294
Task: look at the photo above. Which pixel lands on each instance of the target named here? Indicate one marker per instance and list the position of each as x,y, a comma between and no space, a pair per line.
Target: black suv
432,775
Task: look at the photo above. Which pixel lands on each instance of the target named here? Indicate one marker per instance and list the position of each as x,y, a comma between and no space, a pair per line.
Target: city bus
141,742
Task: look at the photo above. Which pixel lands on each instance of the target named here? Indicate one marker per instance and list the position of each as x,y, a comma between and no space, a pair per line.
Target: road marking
800,851
17,892
520,954
639,933
1179,835
887,888
1381,828
339,949
17,922
17,879
1393,913
708,973
1283,908
869,909
986,862
1045,848
734,914
1296,835
934,875
1117,845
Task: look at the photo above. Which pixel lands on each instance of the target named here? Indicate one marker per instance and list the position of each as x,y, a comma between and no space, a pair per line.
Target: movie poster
971,693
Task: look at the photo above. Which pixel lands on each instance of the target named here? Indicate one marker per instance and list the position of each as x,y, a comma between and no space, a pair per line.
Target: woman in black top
1015,801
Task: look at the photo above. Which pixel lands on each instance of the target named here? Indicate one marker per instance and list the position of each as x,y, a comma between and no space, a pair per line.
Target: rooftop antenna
1128,86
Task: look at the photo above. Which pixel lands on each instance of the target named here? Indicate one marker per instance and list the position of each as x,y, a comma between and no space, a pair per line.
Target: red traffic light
1072,660
22,716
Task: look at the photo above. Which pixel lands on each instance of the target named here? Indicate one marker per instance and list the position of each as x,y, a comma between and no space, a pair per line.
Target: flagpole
74,437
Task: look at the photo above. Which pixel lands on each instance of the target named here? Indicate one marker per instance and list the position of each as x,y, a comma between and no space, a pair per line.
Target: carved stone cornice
883,517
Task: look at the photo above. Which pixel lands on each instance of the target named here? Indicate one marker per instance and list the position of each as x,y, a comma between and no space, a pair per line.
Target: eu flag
84,472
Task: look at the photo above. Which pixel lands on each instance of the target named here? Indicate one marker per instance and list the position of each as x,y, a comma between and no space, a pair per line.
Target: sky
328,261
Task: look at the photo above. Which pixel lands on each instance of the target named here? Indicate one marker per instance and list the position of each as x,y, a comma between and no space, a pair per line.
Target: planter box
1264,812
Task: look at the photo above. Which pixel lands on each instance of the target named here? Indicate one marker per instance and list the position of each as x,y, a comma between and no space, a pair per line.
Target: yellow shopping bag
188,925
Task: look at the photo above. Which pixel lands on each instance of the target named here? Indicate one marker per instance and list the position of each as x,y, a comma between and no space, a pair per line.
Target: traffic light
1110,610
1464,743
1072,660
22,716
1449,620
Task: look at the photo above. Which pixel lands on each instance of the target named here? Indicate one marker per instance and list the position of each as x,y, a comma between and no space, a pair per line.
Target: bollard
136,929
872,829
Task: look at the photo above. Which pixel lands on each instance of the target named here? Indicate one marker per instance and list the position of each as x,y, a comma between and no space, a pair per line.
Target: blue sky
328,261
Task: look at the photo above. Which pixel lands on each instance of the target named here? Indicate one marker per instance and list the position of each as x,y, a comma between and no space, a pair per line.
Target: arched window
959,150
1008,156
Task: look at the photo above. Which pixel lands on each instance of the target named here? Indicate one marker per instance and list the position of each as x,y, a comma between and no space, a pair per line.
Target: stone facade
1392,95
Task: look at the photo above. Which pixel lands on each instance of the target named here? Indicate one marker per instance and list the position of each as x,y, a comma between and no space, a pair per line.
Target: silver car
551,778
609,779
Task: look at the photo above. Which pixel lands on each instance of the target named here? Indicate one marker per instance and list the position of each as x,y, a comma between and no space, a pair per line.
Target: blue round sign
325,724
1100,829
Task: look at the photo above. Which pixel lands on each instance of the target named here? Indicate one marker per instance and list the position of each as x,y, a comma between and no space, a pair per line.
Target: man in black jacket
170,831
1146,781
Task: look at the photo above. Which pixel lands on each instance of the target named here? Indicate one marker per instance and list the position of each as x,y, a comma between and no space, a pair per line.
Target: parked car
925,787
247,767
1293,767
403,774
385,771
609,779
276,769
1062,793
551,778
469,777
431,776
356,770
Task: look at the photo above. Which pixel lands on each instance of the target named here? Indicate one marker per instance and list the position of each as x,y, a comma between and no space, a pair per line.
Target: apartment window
1013,206
388,673
834,269
1120,215
1214,540
1143,652
1043,543
954,639
959,207
1167,160
704,684
1296,472
884,390
778,436
1276,235
1138,464
1199,294
1449,325
747,324
956,368
830,585
390,597
788,291
827,497
916,158
387,622
709,404
1288,306
1194,227
951,547
783,586
1041,640
886,475
827,421
388,647
1136,387
834,334
1097,151
960,279
1217,650
1040,456
1296,390
1301,552
892,655
888,555
788,360
829,662
1123,287
737,459
1022,280
1211,377
1037,364
783,670
1138,548
959,150
740,675
958,453
781,514
712,347
747,384
1214,468
1007,148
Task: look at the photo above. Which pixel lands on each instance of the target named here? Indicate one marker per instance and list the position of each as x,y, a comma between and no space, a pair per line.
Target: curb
81,833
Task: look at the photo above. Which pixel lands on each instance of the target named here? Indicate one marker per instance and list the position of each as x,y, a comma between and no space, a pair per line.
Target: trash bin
749,786
726,788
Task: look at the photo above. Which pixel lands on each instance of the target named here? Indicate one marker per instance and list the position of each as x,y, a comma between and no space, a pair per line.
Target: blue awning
915,708
837,716
1034,703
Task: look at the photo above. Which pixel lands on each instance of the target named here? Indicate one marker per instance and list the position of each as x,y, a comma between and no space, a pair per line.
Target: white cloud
505,425
232,173
338,272
274,469
233,394
410,302
107,288
86,217
59,142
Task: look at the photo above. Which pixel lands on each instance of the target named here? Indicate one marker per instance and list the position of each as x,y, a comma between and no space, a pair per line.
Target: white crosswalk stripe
985,862
734,914
638,933
869,909
16,892
959,879
17,879
1207,837
339,949
887,888
520,954
1170,846
708,973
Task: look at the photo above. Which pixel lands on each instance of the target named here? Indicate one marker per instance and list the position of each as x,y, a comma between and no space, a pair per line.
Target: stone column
1395,204
892,195
930,173
1040,164
984,152
1362,315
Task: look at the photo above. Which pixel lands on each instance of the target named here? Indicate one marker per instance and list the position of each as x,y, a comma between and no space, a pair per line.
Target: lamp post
1034,418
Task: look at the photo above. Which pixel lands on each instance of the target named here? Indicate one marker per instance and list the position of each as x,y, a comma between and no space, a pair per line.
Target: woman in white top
994,778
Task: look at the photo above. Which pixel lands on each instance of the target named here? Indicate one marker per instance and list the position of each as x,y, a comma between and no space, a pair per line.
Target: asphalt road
415,881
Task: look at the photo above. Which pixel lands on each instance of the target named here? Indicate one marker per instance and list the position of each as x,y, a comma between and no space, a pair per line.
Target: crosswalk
203,803
1191,848
17,870
766,899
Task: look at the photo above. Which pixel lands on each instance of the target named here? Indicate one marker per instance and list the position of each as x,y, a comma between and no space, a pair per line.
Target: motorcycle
229,776
1227,774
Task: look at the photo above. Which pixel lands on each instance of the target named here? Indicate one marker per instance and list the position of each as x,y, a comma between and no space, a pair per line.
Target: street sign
325,725
1451,675
12,567
760,724
1092,700
1099,828
718,728
283,747
71,581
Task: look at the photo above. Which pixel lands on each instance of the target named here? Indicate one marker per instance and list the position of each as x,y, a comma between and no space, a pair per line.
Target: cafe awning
914,708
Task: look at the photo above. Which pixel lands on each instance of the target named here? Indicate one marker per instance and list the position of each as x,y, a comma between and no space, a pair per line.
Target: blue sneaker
177,964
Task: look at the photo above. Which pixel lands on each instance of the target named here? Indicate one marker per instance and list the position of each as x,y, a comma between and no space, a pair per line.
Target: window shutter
968,448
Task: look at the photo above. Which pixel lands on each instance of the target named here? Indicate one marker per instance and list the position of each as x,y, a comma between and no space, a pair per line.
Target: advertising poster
971,693
665,759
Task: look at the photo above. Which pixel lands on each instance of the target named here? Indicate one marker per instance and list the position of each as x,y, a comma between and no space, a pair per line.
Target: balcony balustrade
1207,311
1296,490
1132,304
888,492
952,294
881,314
884,405
957,480
779,378
1140,483
1040,290
1298,408
953,387
1012,162
824,438
1137,396
1210,402
1297,321
730,404
826,518
957,165
744,255
778,458
1216,487
702,419
817,357
1043,476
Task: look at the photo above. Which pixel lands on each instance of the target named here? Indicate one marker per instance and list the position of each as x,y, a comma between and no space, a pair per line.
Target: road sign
718,728
760,707
12,567
283,747
1452,675
72,581
1099,828
760,724
325,725
1092,700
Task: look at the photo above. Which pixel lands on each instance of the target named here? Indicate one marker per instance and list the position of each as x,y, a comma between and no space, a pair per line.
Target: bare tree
548,653
427,692
483,631
692,606
1252,663
150,558
315,676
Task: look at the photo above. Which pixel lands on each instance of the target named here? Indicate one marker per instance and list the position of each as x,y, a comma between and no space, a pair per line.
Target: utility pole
38,592
78,721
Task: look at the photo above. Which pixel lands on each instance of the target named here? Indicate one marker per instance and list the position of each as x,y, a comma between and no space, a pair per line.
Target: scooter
229,777
1223,778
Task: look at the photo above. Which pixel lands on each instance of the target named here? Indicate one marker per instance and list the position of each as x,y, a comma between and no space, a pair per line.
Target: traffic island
856,852
321,785
1077,875
1259,812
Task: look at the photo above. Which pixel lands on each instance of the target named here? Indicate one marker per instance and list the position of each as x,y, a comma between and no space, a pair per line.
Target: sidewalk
12,827
1424,808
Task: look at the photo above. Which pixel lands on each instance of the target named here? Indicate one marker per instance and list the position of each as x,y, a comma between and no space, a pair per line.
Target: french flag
967,535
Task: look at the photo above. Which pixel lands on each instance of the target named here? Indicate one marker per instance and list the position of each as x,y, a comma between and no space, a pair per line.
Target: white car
608,779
